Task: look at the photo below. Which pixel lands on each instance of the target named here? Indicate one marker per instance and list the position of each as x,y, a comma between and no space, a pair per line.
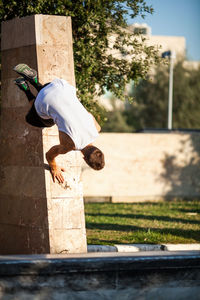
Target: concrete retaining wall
150,276
145,166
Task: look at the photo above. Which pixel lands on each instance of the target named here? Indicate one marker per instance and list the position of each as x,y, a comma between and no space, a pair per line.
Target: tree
116,121
186,97
93,23
150,107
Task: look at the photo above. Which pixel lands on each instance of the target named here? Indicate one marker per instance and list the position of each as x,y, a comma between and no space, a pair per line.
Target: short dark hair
94,157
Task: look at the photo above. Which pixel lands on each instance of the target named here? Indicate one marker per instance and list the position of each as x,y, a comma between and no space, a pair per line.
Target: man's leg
29,75
23,85
32,117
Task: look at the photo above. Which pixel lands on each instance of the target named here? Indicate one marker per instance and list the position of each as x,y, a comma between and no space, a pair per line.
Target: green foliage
93,22
116,121
150,106
186,105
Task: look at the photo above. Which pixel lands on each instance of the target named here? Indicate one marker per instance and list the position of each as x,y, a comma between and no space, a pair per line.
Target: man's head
94,157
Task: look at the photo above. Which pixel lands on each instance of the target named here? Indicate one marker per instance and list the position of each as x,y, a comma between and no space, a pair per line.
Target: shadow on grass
96,241
187,210
113,227
145,217
189,234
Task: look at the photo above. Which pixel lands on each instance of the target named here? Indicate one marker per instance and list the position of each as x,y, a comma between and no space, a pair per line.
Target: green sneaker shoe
25,71
22,84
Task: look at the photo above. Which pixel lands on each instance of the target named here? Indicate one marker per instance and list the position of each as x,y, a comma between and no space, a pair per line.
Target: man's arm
56,171
65,146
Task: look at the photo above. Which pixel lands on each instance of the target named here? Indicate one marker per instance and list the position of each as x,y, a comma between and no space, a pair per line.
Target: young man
56,103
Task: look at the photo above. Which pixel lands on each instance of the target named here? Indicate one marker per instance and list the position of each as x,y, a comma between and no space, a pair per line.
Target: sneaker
22,84
25,71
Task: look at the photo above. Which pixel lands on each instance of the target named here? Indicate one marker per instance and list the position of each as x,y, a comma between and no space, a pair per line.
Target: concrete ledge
50,264
143,247
140,275
181,247
101,248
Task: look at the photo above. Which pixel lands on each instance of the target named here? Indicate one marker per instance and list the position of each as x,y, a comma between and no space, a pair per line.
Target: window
140,30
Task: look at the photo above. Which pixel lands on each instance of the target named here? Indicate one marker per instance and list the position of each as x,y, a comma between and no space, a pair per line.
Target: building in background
175,44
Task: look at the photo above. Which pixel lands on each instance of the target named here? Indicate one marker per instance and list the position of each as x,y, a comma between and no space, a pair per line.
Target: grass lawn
156,223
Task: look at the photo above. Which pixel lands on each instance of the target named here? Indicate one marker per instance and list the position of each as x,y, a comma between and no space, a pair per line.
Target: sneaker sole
25,72
22,85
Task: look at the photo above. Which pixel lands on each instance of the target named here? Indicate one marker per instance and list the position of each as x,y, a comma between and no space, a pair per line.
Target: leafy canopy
93,22
150,106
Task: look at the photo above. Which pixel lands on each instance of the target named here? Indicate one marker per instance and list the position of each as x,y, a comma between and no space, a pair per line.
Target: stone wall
145,166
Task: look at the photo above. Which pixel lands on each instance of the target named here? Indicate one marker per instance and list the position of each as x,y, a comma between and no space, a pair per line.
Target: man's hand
66,145
56,173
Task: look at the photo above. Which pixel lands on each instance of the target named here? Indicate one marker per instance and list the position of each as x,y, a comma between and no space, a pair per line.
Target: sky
176,18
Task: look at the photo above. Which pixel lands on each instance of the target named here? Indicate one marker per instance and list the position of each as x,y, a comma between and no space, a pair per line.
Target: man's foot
25,71
22,84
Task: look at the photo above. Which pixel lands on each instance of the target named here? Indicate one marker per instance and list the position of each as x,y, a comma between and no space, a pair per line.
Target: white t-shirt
58,101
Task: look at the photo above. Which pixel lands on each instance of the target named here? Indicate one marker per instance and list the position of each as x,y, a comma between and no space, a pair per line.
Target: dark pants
32,117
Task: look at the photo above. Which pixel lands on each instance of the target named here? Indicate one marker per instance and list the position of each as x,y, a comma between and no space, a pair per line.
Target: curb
143,247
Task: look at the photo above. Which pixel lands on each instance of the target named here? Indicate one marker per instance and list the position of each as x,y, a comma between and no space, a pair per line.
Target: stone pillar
37,215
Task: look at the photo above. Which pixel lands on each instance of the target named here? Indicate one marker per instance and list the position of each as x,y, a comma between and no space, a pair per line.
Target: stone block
23,181
70,241
67,213
11,39
23,239
23,211
21,143
53,33
37,215
14,56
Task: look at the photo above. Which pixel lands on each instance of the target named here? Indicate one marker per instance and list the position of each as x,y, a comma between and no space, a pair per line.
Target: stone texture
37,215
145,166
54,48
